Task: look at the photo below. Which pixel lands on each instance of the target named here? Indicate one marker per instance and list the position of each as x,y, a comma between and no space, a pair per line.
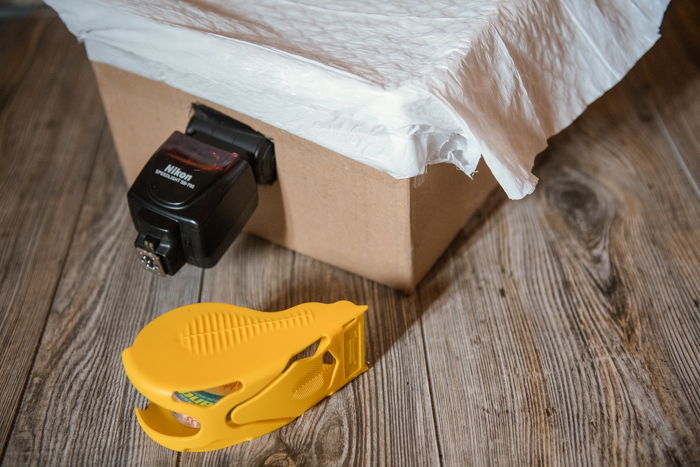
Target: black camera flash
196,193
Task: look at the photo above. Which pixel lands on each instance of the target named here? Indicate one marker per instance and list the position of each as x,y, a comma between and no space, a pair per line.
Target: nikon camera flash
198,190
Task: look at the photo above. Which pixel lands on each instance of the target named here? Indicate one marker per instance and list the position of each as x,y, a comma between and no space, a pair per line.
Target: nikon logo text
174,170
173,173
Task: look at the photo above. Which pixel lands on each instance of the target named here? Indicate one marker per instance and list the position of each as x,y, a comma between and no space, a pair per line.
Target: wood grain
561,329
78,406
568,331
670,74
50,122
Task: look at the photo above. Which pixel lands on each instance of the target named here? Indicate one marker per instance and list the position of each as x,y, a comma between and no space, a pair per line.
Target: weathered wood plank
50,120
381,418
562,329
78,406
671,72
19,37
567,330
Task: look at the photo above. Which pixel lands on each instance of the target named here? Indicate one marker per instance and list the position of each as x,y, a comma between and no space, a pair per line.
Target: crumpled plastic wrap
395,84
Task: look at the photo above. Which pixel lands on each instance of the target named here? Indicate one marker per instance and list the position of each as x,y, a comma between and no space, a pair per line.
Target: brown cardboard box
324,205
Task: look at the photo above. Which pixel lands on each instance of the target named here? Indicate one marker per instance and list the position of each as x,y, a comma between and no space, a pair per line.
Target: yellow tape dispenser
218,374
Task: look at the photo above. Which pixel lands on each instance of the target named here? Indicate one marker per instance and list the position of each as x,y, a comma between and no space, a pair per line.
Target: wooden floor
560,329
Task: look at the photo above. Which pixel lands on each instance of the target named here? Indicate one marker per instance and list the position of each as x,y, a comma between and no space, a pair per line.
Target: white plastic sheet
395,84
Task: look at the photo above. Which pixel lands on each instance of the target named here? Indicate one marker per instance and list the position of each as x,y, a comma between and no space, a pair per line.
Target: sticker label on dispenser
203,398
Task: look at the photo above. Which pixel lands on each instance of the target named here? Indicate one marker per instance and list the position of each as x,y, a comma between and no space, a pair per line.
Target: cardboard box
324,205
